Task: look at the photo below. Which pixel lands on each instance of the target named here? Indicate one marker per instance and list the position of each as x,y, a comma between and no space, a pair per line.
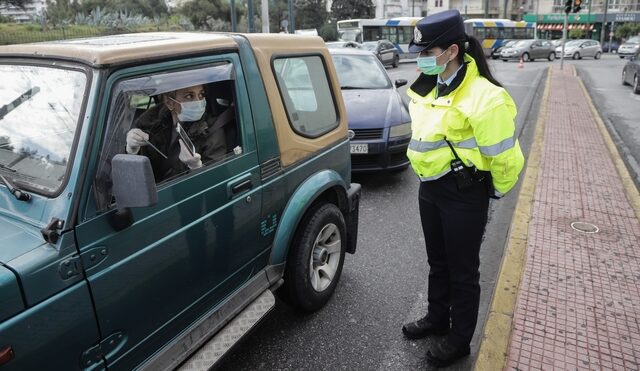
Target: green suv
155,189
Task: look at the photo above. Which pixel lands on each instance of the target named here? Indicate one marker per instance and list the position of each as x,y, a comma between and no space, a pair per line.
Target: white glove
136,138
193,162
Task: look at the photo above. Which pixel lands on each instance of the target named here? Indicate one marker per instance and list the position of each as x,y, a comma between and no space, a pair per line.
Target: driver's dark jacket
158,123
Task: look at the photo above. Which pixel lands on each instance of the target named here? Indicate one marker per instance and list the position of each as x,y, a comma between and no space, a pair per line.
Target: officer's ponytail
474,49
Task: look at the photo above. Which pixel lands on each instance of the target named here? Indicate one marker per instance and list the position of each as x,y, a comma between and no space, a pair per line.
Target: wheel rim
325,257
635,83
624,75
525,57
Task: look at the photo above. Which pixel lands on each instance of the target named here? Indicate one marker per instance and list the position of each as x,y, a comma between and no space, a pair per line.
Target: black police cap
444,28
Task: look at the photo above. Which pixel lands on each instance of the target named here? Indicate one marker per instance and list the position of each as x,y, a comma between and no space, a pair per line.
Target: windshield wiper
19,194
7,168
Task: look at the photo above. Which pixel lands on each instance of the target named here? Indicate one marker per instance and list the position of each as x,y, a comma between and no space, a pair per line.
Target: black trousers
453,223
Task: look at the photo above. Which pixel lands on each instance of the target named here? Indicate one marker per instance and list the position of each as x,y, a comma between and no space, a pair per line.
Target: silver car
630,47
578,49
528,50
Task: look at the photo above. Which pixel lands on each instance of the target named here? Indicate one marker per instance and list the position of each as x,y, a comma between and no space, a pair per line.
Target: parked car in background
630,47
578,49
495,53
556,42
614,46
528,50
375,111
384,50
631,73
343,44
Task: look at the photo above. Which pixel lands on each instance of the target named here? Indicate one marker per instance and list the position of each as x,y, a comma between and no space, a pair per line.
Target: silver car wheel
624,77
636,87
325,257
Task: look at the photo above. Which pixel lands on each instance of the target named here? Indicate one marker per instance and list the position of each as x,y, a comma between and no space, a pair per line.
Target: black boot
423,328
446,352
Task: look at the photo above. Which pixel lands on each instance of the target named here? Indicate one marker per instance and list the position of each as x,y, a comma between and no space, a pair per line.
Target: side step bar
214,349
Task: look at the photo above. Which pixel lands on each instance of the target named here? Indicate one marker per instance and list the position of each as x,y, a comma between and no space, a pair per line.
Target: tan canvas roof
104,50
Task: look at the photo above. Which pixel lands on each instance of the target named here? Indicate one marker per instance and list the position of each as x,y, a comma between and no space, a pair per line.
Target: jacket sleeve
494,130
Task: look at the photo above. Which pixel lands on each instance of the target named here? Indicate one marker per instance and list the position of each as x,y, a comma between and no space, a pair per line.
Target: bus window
405,34
519,33
372,33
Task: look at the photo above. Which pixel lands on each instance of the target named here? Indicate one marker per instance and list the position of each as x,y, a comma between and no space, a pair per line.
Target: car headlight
400,130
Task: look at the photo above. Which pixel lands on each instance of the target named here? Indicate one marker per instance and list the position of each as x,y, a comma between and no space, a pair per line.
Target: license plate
360,148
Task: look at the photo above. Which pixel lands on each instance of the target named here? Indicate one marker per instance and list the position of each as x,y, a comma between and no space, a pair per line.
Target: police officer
464,150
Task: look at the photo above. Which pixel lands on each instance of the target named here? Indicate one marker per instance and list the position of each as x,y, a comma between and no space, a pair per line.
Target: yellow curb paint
627,181
494,343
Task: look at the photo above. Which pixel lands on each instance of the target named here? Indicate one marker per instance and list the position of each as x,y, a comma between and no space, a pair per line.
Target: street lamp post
233,16
604,25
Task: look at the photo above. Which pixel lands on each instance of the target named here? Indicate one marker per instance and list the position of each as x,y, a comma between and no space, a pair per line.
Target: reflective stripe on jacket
478,119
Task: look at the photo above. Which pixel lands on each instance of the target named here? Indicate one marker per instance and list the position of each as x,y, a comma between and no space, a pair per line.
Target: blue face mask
191,111
429,65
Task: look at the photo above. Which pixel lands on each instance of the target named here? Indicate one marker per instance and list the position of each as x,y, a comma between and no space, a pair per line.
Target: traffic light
568,4
576,5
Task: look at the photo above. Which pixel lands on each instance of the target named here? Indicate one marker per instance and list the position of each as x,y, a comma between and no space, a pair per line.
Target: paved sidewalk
569,299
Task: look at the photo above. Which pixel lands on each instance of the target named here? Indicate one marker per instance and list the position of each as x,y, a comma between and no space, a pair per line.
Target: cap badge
417,35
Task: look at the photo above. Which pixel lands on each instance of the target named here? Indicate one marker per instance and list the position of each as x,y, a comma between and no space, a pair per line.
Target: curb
494,343
633,195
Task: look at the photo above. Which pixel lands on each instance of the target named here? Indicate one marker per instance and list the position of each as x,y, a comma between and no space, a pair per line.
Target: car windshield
634,40
360,72
39,112
520,44
370,45
573,43
509,44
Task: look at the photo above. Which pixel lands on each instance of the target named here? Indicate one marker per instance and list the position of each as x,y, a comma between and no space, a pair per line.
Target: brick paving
578,307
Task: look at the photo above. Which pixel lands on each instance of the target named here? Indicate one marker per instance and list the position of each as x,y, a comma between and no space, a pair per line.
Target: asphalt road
384,284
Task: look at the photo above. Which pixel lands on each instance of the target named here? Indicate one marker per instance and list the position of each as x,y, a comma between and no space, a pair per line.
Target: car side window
306,93
181,121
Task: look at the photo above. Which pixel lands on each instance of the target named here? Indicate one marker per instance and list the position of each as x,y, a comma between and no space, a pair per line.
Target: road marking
494,342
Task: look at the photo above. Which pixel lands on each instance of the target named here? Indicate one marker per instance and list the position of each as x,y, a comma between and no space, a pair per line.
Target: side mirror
400,82
133,186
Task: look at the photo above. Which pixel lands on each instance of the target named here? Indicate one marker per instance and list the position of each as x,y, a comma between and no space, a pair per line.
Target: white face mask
191,111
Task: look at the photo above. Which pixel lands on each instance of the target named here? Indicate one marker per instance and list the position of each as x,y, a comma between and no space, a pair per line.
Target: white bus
492,33
397,30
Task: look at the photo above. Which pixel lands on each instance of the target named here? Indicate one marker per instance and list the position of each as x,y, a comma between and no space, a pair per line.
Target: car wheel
624,78
597,56
621,56
314,263
525,57
636,84
575,56
551,57
504,60
396,60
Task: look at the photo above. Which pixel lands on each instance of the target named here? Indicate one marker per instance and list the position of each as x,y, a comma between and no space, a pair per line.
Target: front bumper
510,56
627,53
382,155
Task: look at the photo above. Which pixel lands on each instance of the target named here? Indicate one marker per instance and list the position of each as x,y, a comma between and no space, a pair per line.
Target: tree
59,11
627,29
211,15
310,14
352,9
17,3
576,33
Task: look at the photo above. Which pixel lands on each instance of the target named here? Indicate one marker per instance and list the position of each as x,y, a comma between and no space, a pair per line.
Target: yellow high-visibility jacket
477,118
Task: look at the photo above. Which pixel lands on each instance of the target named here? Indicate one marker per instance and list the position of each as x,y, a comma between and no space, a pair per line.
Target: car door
182,256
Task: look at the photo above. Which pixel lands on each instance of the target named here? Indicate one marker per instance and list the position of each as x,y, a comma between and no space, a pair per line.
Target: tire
621,56
624,78
575,56
551,57
636,84
525,57
396,60
315,259
597,56
504,60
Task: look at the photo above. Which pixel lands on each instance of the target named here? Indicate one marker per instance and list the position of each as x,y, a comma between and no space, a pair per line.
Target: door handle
240,185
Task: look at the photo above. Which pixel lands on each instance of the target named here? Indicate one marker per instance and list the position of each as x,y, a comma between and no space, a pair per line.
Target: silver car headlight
400,130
